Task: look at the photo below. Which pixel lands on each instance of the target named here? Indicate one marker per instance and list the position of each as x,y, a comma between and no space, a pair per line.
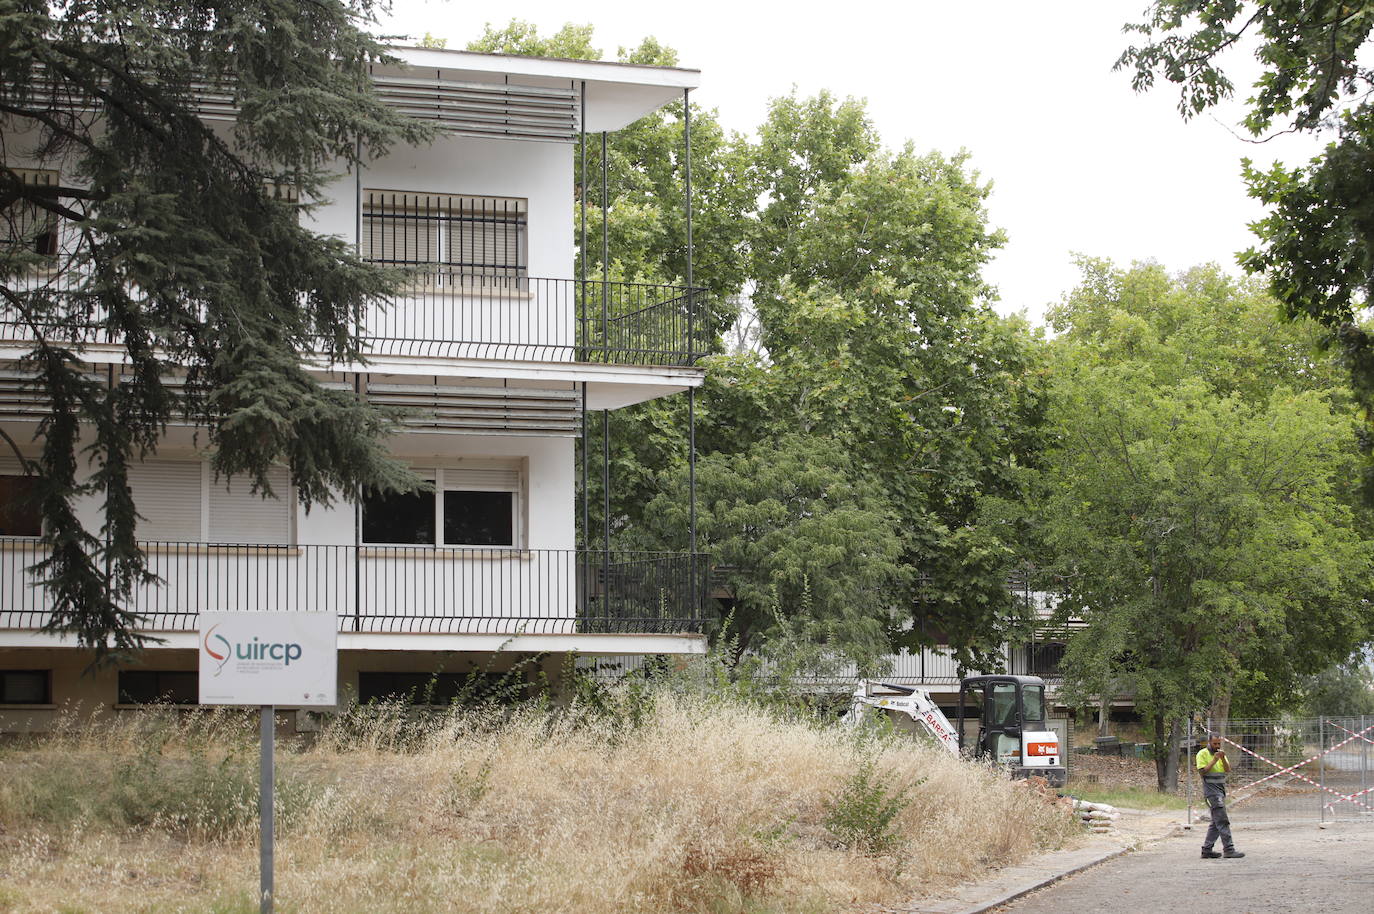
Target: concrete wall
79,695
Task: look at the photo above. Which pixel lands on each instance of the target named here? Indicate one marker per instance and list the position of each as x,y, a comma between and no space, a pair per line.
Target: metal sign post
266,795
269,659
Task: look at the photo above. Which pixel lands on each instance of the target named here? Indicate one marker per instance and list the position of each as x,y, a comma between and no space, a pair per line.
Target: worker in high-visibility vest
1212,766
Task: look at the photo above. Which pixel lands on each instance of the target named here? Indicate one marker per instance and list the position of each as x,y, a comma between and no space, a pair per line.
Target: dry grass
708,806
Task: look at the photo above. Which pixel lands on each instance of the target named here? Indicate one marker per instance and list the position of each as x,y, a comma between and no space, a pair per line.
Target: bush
862,816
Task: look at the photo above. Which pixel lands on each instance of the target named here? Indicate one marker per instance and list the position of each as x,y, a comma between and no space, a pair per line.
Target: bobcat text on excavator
1009,711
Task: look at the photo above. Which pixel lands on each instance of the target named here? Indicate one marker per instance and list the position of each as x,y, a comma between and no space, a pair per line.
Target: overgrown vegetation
658,798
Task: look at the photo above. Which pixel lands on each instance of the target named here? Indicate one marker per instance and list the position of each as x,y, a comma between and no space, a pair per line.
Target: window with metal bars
447,239
29,227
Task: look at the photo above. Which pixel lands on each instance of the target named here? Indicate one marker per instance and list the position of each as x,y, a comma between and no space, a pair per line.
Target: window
19,509
142,687
468,507
1033,700
447,237
25,687
27,226
180,501
1003,698
431,688
1047,658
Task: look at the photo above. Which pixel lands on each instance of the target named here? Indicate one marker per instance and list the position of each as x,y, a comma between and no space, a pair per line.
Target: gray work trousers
1214,792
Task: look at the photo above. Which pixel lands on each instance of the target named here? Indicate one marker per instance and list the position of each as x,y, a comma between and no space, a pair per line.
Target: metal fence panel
1310,770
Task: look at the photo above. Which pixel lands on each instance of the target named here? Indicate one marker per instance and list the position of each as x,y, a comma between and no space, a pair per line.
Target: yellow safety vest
1204,759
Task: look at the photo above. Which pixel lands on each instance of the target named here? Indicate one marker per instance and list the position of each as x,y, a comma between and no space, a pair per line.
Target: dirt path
1297,869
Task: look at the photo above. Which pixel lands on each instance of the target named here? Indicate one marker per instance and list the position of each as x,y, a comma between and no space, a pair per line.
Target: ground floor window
142,687
467,507
432,688
25,687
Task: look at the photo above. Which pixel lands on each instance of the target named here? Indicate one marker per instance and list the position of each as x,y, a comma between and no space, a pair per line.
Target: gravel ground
1298,869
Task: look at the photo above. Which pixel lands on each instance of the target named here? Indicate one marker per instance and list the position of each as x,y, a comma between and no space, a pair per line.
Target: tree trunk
1166,753
1160,753
1220,712
1104,715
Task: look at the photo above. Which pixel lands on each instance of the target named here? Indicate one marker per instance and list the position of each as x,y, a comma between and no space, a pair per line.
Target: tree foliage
1196,502
180,249
1317,239
796,529
862,267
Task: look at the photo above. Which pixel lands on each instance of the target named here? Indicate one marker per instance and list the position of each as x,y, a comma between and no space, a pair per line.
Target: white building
499,353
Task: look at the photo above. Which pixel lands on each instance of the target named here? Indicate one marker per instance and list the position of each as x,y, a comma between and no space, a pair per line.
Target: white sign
269,658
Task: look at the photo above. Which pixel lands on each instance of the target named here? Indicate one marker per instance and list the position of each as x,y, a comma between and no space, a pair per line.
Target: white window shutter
239,516
167,494
485,479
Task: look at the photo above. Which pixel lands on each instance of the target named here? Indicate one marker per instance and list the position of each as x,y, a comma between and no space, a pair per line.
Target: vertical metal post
605,257
586,343
358,534
1321,763
691,314
582,244
605,348
267,739
1192,772
357,390
606,486
1364,761
586,507
692,494
687,188
358,218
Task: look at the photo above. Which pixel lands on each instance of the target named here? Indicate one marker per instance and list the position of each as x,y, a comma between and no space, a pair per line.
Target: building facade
497,351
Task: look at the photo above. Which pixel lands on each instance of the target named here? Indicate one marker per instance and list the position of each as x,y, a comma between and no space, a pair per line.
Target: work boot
1233,853
1208,854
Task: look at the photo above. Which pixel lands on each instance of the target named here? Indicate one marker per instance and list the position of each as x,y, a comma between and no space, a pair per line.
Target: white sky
1079,162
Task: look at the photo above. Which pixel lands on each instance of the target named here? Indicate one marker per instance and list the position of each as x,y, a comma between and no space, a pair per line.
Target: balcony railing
397,588
447,314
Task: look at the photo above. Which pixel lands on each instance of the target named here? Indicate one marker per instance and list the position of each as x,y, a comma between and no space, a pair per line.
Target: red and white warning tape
1292,769
1360,735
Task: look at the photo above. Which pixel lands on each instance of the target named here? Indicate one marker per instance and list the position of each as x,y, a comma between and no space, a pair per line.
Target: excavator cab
1010,713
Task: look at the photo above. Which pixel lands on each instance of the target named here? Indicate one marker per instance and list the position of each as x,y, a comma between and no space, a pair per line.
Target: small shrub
465,790
862,815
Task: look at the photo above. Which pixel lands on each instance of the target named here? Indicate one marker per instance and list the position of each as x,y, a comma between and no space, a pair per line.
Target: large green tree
177,246
861,268
1316,242
1196,503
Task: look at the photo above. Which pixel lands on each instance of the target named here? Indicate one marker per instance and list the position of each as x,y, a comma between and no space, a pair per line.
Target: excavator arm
899,699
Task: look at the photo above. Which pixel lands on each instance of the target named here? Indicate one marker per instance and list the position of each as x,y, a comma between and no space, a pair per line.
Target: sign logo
224,646
257,651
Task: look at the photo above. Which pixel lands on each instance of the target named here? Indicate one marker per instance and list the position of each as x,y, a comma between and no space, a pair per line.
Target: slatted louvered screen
167,494
488,479
459,236
239,516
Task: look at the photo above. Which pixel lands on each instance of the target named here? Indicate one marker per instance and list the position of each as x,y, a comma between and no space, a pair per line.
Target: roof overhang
617,94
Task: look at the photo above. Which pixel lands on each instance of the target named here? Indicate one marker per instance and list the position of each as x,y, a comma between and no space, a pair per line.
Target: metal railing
396,588
445,313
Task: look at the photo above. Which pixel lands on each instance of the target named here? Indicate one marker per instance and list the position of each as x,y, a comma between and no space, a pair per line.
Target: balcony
452,315
396,589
